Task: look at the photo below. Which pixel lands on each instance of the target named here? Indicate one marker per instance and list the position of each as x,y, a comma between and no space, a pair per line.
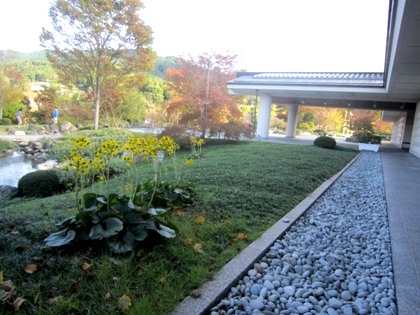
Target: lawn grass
242,190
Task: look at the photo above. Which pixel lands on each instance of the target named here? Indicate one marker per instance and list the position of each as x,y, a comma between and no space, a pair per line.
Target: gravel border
336,259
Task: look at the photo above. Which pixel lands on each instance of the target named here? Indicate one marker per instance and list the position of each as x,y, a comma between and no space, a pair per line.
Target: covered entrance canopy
396,91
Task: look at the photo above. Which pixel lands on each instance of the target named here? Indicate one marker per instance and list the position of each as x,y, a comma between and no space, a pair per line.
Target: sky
267,35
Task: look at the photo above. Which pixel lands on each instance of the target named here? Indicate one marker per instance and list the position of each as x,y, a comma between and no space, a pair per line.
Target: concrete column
263,124
292,121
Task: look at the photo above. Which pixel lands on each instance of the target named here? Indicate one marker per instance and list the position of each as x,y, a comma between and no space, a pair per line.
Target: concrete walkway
27,137
402,187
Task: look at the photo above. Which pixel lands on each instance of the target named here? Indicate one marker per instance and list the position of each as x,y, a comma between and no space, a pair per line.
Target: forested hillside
35,66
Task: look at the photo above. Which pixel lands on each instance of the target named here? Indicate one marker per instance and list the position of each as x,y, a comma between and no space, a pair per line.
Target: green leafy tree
11,91
100,42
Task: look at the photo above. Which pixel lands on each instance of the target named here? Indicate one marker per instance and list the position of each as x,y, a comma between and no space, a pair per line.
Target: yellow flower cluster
81,143
149,146
82,162
168,144
75,159
196,141
109,149
79,163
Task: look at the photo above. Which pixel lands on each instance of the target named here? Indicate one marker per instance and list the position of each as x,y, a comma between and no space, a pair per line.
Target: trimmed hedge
40,184
325,142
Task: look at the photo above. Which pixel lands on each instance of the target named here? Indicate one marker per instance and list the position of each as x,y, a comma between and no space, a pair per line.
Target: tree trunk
97,104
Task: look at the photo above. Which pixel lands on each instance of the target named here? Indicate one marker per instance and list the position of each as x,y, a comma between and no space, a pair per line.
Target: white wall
415,137
398,131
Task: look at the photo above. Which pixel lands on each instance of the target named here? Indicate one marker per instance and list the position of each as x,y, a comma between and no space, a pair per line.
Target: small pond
13,167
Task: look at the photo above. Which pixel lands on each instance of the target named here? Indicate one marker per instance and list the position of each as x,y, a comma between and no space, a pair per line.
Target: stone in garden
67,127
256,289
257,304
289,290
8,191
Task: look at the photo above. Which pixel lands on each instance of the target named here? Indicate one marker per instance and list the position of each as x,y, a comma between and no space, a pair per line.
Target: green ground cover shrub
5,121
6,146
242,189
325,142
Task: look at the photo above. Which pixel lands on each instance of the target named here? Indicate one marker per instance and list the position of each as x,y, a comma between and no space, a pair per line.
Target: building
396,91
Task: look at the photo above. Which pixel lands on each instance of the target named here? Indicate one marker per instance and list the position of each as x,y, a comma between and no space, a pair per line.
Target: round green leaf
122,245
60,238
156,211
139,231
106,229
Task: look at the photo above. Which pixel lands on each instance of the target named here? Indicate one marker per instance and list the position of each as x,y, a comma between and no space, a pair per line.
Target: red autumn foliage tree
363,120
199,96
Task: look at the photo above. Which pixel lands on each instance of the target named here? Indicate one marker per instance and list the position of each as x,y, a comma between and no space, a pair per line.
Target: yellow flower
98,164
81,142
128,159
189,162
128,187
200,219
110,148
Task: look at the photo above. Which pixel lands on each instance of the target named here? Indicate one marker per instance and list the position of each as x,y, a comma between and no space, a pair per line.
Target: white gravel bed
336,259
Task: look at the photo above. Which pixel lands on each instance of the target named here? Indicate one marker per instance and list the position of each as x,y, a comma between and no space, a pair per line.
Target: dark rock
7,191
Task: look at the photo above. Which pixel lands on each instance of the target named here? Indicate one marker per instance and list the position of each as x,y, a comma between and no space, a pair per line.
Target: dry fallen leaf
241,236
187,241
200,219
17,303
198,248
31,268
107,295
86,266
7,290
1,277
180,212
124,302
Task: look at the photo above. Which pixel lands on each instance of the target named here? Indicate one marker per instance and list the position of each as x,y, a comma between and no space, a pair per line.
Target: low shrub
40,184
5,121
179,134
231,131
325,142
367,137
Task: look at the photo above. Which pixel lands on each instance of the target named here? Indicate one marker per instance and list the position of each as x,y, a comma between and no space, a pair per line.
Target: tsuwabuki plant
120,220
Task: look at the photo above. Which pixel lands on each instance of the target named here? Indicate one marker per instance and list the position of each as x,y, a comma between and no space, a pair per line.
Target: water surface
13,167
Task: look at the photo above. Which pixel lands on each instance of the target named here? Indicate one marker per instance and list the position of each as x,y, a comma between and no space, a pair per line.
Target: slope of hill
36,67
11,56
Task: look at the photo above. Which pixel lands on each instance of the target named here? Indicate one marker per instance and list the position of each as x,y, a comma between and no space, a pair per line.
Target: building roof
397,88
312,78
